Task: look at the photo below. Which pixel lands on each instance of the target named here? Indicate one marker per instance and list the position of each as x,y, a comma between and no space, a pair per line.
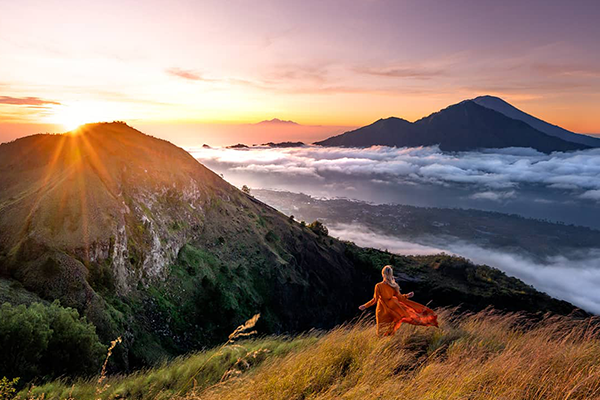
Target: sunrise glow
71,116
195,65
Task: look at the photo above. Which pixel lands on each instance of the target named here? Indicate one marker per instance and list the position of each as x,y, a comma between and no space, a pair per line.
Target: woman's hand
362,308
409,295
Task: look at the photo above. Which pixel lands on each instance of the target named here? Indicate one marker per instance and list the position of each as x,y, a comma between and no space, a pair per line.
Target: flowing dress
394,308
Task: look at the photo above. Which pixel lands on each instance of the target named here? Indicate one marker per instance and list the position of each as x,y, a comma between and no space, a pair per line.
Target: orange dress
394,308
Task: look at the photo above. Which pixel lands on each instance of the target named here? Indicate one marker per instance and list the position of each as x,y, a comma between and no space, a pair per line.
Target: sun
72,115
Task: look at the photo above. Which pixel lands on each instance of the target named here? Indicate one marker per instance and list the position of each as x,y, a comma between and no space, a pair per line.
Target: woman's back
386,292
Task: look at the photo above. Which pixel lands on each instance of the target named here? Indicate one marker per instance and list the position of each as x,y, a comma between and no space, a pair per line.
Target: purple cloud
186,74
26,101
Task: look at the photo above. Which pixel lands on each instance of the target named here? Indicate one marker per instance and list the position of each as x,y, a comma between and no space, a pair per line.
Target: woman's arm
370,302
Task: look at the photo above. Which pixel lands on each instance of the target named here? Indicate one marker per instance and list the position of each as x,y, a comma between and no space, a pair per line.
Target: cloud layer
365,237
494,174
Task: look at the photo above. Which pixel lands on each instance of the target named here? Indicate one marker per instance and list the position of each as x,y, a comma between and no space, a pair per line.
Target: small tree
318,228
246,189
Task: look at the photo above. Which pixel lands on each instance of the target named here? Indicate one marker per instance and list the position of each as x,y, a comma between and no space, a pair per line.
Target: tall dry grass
488,355
179,376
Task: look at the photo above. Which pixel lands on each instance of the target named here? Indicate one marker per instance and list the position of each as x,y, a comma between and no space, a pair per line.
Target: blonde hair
388,277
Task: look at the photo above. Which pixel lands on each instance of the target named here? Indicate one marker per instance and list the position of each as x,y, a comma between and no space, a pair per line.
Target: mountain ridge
459,127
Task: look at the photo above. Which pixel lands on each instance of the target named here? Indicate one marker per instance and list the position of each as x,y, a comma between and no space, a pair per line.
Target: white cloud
591,194
494,196
363,236
495,173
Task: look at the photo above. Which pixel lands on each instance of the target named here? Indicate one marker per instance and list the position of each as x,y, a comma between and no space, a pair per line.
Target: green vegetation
483,356
8,388
193,306
318,228
47,340
193,372
12,291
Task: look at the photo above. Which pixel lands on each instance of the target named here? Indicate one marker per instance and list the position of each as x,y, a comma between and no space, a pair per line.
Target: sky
196,71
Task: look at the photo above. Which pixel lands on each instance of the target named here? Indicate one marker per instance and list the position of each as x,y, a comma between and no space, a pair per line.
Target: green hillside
147,244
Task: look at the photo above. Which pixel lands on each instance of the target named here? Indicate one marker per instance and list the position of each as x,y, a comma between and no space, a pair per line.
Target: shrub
8,388
318,228
47,341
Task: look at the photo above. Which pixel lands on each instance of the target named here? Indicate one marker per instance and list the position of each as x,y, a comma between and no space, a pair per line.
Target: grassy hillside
487,355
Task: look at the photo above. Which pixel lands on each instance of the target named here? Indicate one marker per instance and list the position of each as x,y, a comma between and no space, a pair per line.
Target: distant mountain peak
485,122
277,121
503,107
392,119
490,97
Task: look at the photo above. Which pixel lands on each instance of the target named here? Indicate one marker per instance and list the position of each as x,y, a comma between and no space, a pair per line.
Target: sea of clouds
492,174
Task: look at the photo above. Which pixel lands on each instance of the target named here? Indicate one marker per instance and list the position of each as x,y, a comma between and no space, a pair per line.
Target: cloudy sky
193,66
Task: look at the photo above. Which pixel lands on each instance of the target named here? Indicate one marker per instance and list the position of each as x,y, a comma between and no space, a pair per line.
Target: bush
47,341
8,388
318,228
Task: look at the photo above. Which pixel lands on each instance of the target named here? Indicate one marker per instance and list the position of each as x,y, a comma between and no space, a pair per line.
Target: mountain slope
384,132
460,127
497,104
487,355
152,246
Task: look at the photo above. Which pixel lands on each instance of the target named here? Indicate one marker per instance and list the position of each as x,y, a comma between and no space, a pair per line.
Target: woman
394,308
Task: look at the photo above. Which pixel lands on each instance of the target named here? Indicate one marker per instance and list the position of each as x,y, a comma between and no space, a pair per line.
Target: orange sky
198,67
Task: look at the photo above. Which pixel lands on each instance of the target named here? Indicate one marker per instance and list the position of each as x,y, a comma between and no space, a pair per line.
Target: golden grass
482,356
487,355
